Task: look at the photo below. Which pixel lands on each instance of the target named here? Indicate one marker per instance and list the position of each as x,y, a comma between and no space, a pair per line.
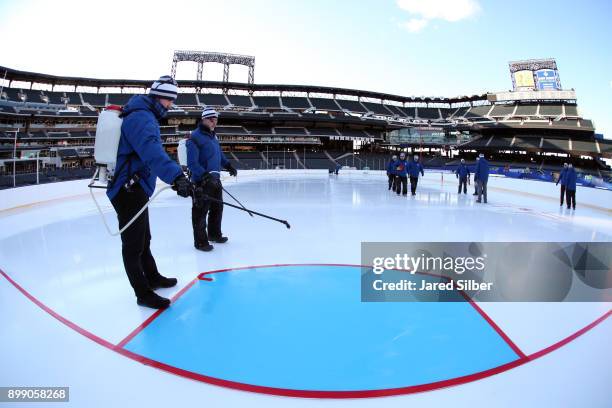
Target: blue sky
406,47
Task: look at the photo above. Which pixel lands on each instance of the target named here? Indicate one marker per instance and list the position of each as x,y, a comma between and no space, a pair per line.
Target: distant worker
414,168
141,158
463,174
482,171
391,172
401,178
570,177
561,180
337,169
205,159
476,179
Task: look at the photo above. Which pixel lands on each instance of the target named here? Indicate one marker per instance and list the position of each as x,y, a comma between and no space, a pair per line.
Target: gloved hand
182,186
232,171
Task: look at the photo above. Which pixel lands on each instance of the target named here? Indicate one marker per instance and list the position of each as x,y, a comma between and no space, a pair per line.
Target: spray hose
126,226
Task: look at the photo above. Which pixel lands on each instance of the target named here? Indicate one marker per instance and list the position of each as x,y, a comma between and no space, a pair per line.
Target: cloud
414,25
423,11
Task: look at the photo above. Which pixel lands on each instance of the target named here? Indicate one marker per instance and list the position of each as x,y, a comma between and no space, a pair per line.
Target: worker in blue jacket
561,180
570,177
414,168
476,179
482,174
463,174
401,175
391,172
205,159
141,158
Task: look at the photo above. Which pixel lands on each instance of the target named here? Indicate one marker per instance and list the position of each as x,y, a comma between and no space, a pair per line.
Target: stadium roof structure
11,75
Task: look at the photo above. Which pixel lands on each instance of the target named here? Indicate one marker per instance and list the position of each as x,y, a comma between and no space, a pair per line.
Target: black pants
570,198
401,185
562,193
462,182
203,231
138,261
391,181
413,184
482,190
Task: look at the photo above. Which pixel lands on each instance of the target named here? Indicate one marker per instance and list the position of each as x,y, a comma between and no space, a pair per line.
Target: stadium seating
555,144
478,111
119,99
551,110
264,102
571,110
217,100
98,100
233,130
290,131
353,106
74,98
502,110
239,100
325,104
428,113
295,102
526,110
377,108
460,113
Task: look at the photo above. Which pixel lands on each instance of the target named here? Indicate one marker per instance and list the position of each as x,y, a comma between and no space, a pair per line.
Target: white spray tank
182,152
108,133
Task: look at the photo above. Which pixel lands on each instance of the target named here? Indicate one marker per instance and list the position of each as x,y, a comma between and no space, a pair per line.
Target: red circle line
293,392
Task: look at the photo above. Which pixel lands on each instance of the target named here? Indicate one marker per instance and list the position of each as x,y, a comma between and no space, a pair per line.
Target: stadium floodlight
202,57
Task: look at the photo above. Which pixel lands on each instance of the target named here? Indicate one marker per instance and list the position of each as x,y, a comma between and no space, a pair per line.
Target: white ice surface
59,251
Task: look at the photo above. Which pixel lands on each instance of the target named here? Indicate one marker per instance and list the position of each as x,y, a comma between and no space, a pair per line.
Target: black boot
204,247
162,282
153,300
221,240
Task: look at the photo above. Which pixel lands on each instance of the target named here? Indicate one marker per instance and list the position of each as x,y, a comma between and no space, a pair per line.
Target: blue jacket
482,170
562,176
401,168
204,154
462,171
391,167
569,178
140,148
414,168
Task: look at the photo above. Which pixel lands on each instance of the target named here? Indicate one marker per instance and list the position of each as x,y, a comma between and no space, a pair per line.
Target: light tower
202,57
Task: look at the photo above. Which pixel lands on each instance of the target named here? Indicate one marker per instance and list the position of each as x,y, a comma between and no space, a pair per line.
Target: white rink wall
28,195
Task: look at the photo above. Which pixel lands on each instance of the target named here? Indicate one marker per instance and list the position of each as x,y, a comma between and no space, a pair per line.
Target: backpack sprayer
108,133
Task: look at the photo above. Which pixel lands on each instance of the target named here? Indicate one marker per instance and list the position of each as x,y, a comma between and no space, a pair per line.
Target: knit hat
209,113
165,87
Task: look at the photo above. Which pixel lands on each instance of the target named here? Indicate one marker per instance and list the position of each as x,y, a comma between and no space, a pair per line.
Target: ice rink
274,336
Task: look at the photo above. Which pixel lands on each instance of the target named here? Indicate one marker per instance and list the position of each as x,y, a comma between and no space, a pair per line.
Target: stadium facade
47,126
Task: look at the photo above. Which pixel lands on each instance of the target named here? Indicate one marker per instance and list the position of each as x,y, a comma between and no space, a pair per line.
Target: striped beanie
208,113
165,87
